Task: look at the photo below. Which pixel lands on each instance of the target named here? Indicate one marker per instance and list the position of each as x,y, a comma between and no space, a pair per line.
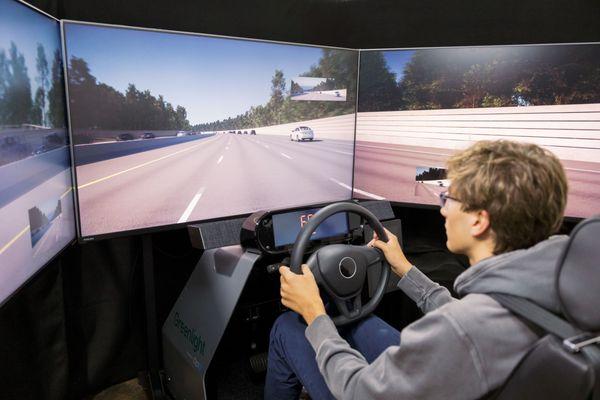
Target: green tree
17,97
56,95
43,79
378,87
4,79
37,110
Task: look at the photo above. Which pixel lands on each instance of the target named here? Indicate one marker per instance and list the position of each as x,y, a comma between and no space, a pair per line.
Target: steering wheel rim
362,257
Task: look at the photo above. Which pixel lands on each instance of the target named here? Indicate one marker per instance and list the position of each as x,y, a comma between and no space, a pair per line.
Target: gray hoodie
460,349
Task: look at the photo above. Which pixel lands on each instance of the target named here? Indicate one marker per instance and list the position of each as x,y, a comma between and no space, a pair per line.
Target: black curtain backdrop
354,23
78,326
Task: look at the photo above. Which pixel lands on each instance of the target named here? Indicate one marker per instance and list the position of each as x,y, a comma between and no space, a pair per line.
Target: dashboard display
287,226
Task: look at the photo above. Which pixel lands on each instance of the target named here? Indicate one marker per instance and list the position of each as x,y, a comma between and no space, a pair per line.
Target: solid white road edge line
374,196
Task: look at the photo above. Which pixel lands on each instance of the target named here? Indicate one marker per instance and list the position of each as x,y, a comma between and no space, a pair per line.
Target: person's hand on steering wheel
393,253
300,293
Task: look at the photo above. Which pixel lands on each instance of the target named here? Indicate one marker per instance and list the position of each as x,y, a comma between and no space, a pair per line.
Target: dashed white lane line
342,184
286,156
144,164
220,159
227,148
191,206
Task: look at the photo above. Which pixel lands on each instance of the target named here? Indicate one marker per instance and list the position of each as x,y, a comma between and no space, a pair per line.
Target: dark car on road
239,132
147,135
245,132
51,142
253,132
124,136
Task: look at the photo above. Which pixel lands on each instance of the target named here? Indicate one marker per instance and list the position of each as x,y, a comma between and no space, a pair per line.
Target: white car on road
302,133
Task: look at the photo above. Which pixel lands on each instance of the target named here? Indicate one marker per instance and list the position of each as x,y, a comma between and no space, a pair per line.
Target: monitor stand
199,317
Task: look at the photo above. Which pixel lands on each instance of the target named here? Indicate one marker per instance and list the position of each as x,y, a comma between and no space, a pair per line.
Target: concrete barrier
89,153
572,132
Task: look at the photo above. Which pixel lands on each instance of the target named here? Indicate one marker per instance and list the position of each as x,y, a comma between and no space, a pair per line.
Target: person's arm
434,360
426,293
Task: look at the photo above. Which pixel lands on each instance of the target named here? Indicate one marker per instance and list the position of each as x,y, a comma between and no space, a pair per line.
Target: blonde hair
522,186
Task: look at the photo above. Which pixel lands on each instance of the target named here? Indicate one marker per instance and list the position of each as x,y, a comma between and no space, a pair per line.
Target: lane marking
341,152
364,193
66,193
141,165
286,156
191,206
409,151
342,184
220,159
266,146
14,239
227,148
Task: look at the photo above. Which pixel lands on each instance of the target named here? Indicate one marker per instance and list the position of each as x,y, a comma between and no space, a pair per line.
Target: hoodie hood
528,273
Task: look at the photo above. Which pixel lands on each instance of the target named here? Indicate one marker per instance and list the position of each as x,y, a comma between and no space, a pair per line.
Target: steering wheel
341,269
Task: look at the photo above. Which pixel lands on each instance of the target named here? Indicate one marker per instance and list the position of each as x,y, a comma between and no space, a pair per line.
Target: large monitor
170,128
417,107
36,204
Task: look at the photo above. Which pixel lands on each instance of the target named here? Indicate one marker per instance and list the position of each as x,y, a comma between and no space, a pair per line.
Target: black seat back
550,370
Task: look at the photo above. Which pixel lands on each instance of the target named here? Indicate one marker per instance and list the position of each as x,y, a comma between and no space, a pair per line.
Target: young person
505,201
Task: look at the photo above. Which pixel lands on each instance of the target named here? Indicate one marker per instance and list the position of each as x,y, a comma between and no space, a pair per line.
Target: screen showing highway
171,128
36,204
417,107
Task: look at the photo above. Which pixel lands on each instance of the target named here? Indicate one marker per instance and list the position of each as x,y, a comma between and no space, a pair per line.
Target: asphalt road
387,171
18,259
225,175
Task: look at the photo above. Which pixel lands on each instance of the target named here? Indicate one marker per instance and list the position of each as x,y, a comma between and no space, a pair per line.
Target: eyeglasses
444,198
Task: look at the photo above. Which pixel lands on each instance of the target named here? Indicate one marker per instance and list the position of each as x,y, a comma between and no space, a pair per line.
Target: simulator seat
565,362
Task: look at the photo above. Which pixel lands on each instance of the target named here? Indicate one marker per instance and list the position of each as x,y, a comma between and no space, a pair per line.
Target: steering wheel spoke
343,306
374,257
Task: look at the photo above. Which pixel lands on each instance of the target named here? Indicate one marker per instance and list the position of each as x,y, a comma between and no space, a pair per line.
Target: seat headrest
578,276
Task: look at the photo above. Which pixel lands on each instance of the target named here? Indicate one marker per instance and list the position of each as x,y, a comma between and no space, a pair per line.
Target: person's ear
480,223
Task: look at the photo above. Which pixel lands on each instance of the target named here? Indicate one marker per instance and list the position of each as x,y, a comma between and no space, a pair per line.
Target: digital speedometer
276,231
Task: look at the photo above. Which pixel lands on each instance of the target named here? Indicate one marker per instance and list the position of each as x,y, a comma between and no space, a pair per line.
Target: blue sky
213,78
396,59
26,28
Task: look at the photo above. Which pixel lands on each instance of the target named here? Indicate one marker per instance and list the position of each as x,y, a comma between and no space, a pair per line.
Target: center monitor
170,128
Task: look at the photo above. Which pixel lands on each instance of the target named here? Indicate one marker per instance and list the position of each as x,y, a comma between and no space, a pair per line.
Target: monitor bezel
146,230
